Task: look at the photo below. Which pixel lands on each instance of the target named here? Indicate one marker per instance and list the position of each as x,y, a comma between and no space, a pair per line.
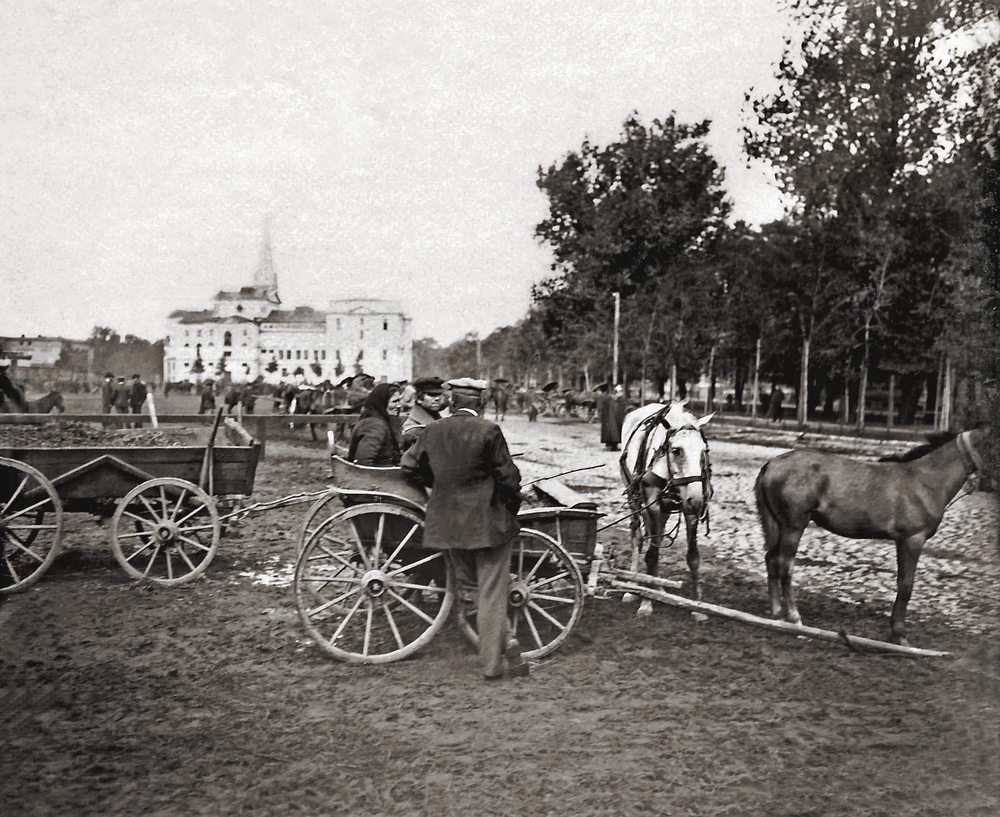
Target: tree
621,217
862,111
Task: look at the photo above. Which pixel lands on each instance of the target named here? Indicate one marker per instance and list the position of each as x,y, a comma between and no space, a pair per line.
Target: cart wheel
31,522
165,530
365,589
323,508
546,595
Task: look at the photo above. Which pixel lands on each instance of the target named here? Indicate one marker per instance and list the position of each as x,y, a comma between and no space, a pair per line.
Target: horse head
666,447
683,459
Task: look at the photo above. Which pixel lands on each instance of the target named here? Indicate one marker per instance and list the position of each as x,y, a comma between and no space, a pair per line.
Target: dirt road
116,699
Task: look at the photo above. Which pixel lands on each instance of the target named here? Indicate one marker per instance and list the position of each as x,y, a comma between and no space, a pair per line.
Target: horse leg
780,559
654,526
907,554
693,556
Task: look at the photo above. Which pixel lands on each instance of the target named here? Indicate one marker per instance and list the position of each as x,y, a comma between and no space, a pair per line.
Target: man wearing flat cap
472,510
429,401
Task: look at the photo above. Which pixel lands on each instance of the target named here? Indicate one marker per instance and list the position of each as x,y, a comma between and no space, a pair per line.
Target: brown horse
900,500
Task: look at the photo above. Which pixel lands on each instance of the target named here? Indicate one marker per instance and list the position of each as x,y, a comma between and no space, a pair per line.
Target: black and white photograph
542,408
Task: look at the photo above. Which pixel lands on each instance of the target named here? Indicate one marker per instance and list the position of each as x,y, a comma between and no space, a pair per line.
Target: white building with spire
245,335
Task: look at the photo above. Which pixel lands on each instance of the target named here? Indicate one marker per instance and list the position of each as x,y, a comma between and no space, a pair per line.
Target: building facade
246,334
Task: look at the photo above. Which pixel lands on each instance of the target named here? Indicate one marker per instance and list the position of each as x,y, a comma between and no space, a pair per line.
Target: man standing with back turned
472,510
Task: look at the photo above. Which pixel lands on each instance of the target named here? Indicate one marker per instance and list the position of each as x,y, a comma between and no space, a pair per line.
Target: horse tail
768,519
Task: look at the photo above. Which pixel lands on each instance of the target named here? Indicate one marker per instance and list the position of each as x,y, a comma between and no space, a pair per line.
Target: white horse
666,470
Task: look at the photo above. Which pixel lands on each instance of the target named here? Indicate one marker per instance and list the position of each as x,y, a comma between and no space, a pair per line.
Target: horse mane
934,442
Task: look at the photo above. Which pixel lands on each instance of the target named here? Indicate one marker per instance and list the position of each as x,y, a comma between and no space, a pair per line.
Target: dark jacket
137,394
373,443
476,486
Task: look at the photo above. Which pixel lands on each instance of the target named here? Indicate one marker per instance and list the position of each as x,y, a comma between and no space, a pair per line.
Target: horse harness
667,493
971,459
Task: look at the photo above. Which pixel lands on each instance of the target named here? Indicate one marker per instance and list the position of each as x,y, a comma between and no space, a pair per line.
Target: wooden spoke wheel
31,524
365,589
323,508
166,531
545,600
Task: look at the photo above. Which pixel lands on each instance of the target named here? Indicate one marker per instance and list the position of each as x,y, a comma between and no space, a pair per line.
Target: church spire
265,280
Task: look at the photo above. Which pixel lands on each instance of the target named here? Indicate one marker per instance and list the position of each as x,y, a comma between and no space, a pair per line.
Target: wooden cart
367,592
163,503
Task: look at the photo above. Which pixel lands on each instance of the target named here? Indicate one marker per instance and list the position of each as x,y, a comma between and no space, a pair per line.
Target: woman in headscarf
374,442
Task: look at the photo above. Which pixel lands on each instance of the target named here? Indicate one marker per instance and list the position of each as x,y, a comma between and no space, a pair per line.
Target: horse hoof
628,598
645,609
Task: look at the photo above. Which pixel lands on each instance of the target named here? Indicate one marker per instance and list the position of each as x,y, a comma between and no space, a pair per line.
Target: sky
393,146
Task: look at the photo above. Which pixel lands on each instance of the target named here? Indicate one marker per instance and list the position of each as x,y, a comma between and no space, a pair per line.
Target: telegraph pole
618,305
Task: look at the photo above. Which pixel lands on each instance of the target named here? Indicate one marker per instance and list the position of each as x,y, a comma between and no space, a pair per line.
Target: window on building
227,339
338,324
385,325
322,355
298,354
362,334
385,354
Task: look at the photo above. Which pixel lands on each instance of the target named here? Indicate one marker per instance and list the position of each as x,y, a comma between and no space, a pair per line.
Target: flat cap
433,385
467,384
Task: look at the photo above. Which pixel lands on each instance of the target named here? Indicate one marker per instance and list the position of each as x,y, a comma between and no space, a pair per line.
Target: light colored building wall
369,335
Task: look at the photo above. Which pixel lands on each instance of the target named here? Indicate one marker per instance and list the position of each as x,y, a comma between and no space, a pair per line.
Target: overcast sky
395,146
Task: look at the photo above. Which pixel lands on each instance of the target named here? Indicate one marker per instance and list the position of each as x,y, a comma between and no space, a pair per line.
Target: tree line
880,128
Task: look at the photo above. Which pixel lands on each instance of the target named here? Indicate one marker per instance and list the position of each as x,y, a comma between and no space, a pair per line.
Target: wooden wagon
368,592
163,503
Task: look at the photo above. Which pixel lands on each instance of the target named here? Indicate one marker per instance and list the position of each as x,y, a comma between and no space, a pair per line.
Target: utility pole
618,306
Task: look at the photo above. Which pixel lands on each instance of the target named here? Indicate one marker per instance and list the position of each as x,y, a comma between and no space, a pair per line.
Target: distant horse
305,401
238,396
577,400
498,398
666,470
901,500
45,405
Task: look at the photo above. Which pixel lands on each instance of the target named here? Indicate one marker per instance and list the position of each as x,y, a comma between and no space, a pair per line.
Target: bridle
971,458
669,491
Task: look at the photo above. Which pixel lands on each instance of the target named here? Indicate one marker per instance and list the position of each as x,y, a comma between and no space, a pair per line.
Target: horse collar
970,457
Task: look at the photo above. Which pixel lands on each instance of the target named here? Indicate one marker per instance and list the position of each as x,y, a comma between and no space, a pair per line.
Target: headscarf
376,405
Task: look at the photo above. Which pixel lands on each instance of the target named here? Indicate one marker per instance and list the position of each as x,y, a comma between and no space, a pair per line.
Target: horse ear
704,420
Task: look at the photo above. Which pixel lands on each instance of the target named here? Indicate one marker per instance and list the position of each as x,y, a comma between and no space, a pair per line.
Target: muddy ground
207,699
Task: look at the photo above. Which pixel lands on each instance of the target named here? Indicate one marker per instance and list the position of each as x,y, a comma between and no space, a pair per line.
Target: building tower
265,280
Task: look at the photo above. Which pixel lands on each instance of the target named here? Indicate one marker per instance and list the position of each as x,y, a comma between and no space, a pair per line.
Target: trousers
486,572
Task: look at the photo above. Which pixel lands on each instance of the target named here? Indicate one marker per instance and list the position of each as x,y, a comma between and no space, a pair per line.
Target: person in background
612,411
207,404
430,401
136,395
472,514
121,396
107,393
373,441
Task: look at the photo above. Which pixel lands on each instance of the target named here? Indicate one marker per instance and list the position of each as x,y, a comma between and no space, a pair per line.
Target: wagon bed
162,500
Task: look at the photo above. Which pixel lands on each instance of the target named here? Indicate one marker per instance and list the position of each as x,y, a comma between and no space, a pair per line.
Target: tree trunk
863,380
803,382
710,398
756,384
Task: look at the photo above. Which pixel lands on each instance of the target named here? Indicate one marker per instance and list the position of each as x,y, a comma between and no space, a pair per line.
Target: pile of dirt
74,434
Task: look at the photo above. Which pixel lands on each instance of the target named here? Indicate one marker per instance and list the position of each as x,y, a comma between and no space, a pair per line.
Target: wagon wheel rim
545,597
31,525
166,531
324,507
365,590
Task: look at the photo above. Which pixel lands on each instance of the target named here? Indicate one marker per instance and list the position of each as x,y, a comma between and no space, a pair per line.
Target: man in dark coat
108,393
472,510
121,395
136,395
612,411
430,400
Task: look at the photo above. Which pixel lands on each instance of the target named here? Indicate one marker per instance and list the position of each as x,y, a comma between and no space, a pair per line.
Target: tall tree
621,216
862,108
